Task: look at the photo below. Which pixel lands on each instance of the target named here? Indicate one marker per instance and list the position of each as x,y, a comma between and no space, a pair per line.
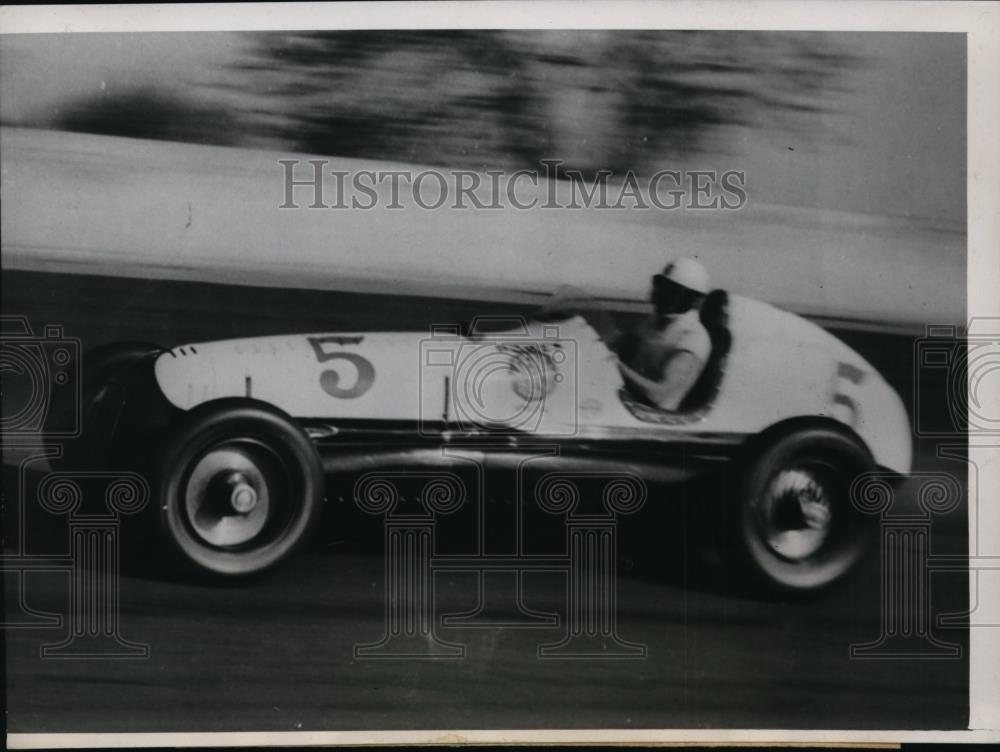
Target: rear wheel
796,529
240,487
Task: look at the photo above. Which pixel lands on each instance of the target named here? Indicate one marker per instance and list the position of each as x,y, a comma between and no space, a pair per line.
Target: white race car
241,437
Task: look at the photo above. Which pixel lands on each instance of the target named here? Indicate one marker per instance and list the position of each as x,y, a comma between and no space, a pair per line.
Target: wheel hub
243,496
227,498
796,514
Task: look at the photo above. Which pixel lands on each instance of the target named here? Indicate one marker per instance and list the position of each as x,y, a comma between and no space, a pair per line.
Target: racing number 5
847,377
329,379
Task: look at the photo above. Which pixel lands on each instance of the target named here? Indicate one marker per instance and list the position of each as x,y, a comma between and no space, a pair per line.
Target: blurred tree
442,97
492,99
147,113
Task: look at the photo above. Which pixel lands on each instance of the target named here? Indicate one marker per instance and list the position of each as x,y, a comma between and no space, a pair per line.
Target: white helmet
687,272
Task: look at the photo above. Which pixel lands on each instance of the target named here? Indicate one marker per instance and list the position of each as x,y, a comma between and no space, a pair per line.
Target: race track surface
279,653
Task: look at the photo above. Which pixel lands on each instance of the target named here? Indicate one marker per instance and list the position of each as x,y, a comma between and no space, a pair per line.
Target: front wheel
240,486
796,529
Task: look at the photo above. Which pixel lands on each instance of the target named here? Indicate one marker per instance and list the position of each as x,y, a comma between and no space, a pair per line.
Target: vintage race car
242,437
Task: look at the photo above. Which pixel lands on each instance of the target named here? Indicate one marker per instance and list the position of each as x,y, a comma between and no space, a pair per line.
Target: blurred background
853,147
869,122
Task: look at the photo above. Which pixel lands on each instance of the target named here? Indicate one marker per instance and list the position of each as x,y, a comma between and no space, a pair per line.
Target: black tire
106,372
217,452
795,530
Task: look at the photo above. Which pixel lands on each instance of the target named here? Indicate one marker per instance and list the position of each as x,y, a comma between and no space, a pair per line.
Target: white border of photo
981,24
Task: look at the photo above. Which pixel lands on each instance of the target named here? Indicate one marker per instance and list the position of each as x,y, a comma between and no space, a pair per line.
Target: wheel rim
796,515
229,497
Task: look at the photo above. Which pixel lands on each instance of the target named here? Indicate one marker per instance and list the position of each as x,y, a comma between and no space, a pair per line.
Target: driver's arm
679,375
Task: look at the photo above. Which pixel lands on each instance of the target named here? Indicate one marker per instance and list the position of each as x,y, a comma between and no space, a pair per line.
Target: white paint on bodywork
779,367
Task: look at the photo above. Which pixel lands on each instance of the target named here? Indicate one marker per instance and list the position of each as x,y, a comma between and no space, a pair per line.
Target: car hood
431,377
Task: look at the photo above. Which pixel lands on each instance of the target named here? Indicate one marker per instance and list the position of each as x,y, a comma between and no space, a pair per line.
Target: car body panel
550,381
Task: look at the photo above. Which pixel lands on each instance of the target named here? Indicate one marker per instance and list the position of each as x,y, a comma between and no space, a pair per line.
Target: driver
664,356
